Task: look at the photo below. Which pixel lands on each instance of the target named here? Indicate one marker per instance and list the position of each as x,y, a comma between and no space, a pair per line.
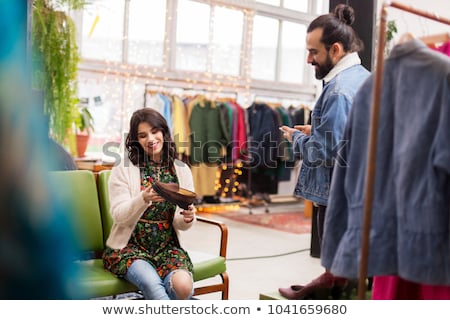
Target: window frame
168,76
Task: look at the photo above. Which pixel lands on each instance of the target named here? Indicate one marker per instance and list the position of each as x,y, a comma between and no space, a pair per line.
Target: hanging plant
55,63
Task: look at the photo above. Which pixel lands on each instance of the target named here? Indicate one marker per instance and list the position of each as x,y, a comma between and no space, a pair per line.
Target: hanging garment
301,115
208,133
410,227
163,105
180,126
396,288
240,136
263,123
263,135
285,154
208,142
444,48
228,116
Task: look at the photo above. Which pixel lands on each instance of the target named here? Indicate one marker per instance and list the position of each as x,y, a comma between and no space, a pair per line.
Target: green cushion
206,265
103,197
78,191
95,281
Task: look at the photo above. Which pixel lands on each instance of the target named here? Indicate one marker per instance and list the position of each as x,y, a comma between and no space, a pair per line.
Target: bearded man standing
333,48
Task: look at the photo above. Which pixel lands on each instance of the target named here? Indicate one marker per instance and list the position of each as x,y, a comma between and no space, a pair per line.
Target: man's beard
324,69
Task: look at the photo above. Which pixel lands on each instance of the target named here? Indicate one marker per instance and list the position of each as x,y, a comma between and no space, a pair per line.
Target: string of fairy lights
227,179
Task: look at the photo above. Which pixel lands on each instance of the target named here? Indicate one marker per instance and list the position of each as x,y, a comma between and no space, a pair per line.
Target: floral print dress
154,238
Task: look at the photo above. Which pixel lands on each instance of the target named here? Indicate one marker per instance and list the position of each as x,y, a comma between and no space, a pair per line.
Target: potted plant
55,60
84,124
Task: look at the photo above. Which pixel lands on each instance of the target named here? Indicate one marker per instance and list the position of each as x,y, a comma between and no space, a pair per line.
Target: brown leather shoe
291,292
173,193
326,286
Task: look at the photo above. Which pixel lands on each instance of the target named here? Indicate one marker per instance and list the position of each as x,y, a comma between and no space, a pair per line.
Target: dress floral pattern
155,240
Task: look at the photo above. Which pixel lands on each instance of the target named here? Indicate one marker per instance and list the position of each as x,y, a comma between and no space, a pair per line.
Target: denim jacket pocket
315,181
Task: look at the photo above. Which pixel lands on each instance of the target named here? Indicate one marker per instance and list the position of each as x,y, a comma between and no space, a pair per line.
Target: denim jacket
319,150
410,221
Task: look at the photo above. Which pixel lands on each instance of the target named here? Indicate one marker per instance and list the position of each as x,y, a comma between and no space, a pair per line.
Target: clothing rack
373,133
228,93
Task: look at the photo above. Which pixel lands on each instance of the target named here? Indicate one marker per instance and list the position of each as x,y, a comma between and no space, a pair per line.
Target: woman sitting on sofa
143,245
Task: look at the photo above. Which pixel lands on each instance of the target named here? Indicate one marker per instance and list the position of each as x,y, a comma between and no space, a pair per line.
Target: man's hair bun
345,13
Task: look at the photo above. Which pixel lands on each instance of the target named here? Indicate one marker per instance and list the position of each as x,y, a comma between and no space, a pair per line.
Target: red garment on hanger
444,48
396,288
240,138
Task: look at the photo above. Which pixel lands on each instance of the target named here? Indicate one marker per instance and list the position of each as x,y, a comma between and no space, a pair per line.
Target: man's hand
306,129
288,132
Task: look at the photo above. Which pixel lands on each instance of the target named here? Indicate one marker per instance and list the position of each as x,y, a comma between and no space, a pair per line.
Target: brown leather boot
326,286
173,193
291,292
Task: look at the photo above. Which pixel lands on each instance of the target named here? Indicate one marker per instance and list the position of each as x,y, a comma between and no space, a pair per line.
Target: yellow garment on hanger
205,176
180,126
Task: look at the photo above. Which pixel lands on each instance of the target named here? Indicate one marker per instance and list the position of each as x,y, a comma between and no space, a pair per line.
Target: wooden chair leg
220,287
226,284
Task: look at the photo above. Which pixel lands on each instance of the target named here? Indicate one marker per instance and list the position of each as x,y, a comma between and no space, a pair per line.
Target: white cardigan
128,205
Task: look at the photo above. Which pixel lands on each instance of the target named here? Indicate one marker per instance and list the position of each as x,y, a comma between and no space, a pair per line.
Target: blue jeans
144,276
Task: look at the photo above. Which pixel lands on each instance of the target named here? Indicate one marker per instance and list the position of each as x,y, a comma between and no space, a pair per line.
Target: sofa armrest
223,233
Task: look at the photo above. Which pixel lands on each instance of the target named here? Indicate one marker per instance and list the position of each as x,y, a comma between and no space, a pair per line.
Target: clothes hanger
436,38
407,36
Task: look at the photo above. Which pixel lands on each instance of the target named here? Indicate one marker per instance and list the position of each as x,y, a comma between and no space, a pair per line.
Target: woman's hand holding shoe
188,215
149,195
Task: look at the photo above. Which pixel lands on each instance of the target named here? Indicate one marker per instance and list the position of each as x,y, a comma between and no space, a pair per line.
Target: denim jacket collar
347,61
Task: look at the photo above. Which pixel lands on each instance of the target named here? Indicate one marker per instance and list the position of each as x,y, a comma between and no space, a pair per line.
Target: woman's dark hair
135,152
337,28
